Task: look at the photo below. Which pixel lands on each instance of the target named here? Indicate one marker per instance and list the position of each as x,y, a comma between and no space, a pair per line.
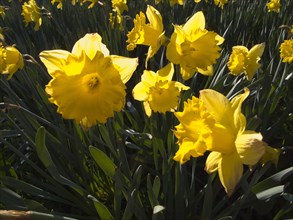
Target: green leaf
272,180
103,161
102,210
158,208
269,193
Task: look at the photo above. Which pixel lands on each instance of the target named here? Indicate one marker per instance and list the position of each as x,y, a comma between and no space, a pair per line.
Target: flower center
91,81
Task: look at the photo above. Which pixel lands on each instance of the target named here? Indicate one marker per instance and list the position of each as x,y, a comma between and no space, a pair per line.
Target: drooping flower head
59,3
244,60
194,132
32,13
88,83
11,60
157,90
193,47
149,34
233,146
115,17
274,5
2,11
286,51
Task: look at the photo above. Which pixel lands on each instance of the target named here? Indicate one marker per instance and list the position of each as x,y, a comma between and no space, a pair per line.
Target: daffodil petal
218,105
166,73
155,18
230,171
212,162
54,59
250,147
90,44
147,108
126,66
140,91
197,21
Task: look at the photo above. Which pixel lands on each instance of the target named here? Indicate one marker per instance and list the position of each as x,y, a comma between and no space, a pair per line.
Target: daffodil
193,47
157,90
151,34
286,51
244,60
220,3
274,5
118,7
11,60
174,2
59,3
93,2
194,132
232,145
32,13
2,11
88,84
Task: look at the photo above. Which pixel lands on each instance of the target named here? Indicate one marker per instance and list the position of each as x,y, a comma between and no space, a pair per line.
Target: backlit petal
212,162
250,147
126,66
155,18
140,91
197,21
230,172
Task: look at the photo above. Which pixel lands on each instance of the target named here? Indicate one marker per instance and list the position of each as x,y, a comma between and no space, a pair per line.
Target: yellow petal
149,77
212,162
207,72
271,154
147,108
126,66
218,105
90,44
250,147
140,91
155,18
166,73
230,172
54,59
236,103
197,21
254,55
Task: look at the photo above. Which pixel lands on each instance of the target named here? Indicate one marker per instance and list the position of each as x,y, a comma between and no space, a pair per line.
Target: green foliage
124,169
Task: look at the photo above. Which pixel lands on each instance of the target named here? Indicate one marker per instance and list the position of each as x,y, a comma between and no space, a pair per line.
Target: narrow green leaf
158,208
102,210
269,193
103,161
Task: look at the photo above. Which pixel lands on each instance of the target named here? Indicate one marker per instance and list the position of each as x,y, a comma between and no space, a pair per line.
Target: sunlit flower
157,90
11,60
274,5
244,60
115,17
233,146
2,11
59,3
32,13
220,3
194,47
174,2
271,154
88,83
151,34
93,2
194,132
286,51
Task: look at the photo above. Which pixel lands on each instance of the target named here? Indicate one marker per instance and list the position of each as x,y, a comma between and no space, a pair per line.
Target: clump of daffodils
32,13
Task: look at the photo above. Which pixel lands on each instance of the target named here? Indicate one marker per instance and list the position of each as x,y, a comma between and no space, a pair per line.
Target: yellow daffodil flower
286,51
244,60
194,132
88,84
59,3
157,90
2,11
274,5
233,146
118,7
151,34
32,13
174,2
193,47
11,60
93,2
220,3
